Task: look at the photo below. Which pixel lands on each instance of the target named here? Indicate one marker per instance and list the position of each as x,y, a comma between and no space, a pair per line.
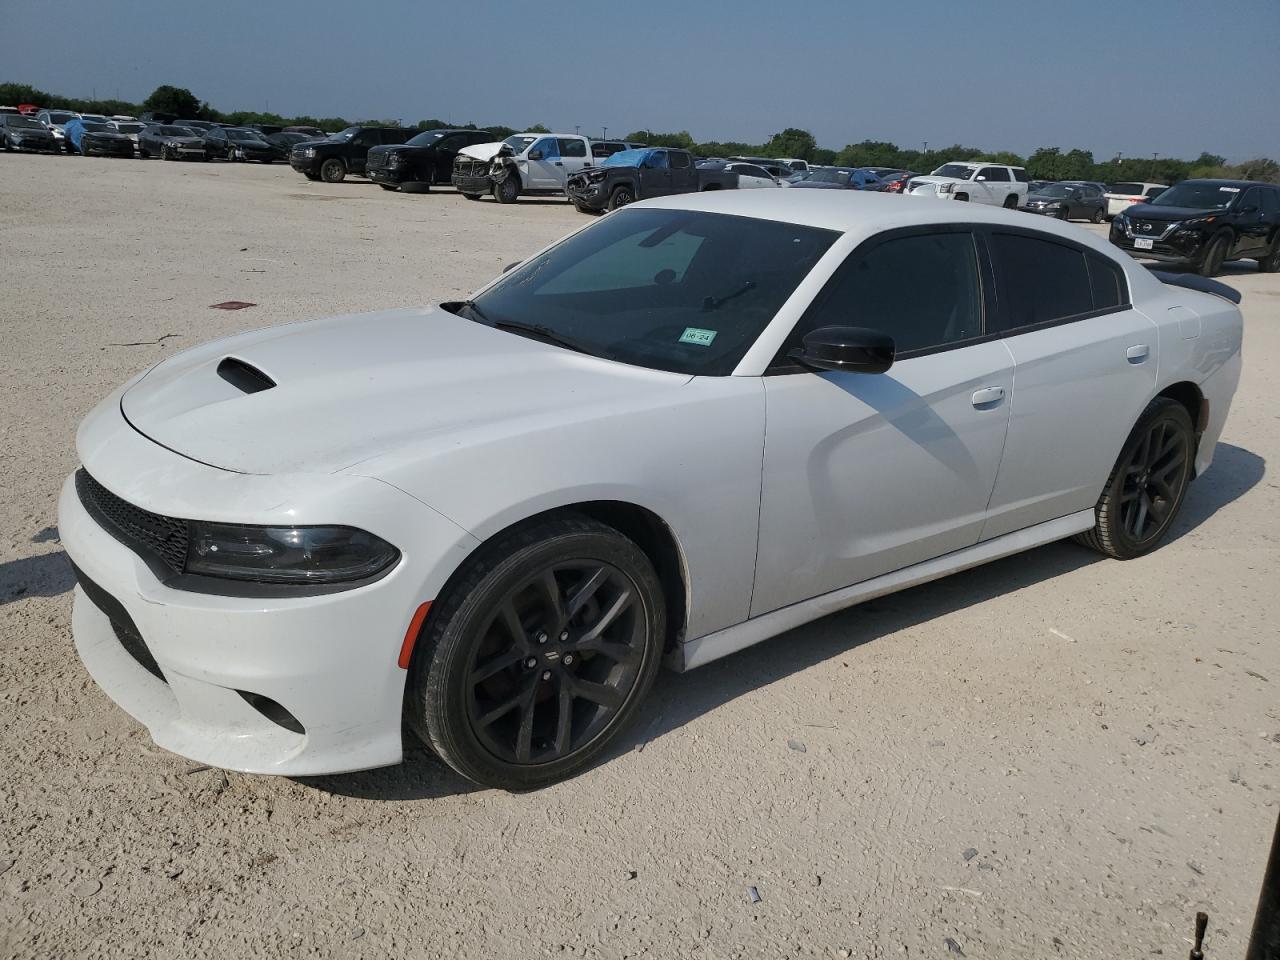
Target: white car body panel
990,192
1118,203
436,433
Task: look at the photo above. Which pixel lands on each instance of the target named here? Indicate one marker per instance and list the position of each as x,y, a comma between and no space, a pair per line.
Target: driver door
546,171
865,474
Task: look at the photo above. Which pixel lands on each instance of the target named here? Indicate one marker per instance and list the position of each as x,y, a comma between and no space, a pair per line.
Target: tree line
1046,163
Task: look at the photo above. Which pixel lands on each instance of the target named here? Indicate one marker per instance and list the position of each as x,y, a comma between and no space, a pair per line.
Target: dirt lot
1054,755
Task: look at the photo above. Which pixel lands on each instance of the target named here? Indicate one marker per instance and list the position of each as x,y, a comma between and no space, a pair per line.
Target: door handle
559,164
987,396
1137,353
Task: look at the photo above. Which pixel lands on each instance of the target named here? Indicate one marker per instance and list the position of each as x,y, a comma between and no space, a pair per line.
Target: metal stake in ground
1264,944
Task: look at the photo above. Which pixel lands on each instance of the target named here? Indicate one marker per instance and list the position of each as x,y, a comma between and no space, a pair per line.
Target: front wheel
1214,256
333,170
1147,485
620,197
508,191
539,653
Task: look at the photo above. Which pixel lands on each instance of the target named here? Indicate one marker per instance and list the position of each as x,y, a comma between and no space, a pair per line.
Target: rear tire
1011,202
333,170
508,685
1271,262
1214,256
1098,216
1147,485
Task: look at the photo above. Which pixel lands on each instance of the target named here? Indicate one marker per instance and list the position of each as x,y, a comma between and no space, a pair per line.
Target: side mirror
535,154
980,178
1249,209
848,349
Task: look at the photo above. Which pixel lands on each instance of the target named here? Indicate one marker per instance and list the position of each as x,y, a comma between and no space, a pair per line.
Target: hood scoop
244,376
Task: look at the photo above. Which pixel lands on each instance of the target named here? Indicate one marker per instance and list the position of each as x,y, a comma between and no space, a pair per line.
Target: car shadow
43,575
678,699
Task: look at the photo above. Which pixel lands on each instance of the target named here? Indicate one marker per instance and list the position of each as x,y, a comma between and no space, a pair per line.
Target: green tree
791,142
681,139
179,101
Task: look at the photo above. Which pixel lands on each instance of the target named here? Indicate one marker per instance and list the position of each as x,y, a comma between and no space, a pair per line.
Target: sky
1134,77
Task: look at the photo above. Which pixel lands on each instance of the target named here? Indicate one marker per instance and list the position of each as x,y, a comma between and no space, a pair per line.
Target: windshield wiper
539,332
711,303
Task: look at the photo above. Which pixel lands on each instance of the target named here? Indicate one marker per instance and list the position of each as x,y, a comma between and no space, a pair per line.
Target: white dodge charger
695,423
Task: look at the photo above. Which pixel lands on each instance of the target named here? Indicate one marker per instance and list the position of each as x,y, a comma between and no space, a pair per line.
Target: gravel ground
1053,755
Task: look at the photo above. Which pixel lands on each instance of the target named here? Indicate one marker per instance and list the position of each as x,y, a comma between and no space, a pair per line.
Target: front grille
375,161
467,167
1153,229
138,529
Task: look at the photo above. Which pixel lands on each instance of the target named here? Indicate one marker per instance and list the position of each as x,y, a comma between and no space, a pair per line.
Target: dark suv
426,159
1204,223
345,152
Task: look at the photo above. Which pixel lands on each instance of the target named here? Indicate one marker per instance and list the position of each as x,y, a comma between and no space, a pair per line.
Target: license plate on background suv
1143,243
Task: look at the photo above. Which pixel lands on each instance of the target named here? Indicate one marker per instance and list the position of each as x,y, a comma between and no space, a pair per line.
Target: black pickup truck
342,153
425,160
640,174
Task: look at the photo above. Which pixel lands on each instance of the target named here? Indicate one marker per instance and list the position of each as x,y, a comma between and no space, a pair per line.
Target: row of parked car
61,131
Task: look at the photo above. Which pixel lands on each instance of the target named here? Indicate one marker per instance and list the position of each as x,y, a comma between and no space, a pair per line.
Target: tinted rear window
1041,281
1106,280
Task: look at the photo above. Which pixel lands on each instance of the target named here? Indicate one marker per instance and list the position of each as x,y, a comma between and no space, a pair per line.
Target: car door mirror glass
980,178
847,349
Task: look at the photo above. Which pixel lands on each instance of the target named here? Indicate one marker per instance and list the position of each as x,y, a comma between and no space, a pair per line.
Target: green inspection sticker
697,335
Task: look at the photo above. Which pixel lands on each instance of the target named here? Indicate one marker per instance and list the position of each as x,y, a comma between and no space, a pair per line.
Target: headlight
395,160
308,151
286,554
1056,205
946,188
1196,222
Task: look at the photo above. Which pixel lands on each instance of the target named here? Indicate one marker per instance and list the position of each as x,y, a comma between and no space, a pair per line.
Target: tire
1271,262
1214,256
143,153
1161,445
620,197
504,729
312,176
415,186
508,191
1011,202
472,196
333,170
1098,216
1063,215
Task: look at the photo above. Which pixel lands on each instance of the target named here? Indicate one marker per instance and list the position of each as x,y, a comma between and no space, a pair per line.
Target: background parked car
130,128
522,163
750,176
995,184
839,178
315,133
346,152
421,161
94,138
284,141
1036,185
244,144
26,134
1203,224
640,174
1121,196
1069,200
896,182
607,148
55,120
171,142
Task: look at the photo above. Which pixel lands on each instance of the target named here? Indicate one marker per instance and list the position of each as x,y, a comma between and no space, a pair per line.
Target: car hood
934,179
1044,198
1145,211
182,141
348,389
107,134
484,151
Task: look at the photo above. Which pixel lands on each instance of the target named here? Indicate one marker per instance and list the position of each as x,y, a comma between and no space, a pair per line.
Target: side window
679,161
658,160
572,148
1248,199
1020,175
1091,191
999,174
1041,281
451,143
549,147
365,138
1270,201
1106,282
921,290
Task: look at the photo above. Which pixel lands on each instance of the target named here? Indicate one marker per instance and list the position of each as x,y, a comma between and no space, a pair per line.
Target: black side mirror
535,154
850,349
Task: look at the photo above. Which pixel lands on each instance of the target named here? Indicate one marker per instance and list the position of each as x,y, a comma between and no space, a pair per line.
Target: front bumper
472,184
589,196
1042,211
396,175
113,148
1179,246
41,145
305,164
330,660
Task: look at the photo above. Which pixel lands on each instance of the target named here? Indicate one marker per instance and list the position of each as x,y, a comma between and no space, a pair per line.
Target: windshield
1198,196
829,175
60,118
958,171
242,135
1054,190
129,127
1130,189
676,290
521,141
23,123
99,127
425,139
167,131
344,135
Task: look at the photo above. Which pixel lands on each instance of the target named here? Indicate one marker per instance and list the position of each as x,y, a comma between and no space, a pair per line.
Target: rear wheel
1098,215
1214,256
538,654
1147,485
333,170
1011,202
1271,262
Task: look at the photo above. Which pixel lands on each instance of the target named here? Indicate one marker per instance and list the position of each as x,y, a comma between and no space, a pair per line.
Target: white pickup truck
522,163
977,182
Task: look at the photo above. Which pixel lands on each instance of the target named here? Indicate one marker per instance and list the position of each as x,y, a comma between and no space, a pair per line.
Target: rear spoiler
1203,284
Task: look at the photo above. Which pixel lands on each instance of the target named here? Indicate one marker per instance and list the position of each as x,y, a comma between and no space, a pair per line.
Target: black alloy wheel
1271,262
333,170
1214,256
1147,484
620,197
538,654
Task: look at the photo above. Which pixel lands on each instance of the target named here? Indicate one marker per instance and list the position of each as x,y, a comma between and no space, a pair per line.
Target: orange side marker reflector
411,635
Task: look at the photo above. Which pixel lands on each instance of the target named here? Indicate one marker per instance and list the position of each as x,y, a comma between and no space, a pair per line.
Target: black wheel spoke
495,665
600,693
501,710
524,735
550,588
608,617
623,653
564,719
590,584
1140,515
511,620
